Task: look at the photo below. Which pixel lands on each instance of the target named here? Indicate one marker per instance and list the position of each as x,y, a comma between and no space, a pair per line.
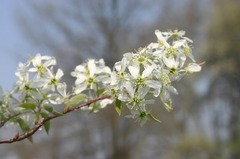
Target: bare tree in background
77,29
223,53
80,29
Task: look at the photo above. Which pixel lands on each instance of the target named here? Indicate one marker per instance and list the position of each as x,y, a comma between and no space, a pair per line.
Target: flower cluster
37,89
92,78
134,81
151,71
91,75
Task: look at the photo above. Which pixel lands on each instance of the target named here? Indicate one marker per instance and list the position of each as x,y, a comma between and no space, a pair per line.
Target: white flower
24,87
143,79
119,76
135,97
22,67
58,98
143,56
41,63
183,48
142,74
152,46
171,63
161,38
141,116
90,74
49,80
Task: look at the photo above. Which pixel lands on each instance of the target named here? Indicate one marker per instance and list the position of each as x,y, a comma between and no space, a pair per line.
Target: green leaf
94,107
100,91
118,106
75,100
44,115
30,106
23,125
37,117
48,108
47,126
57,113
30,138
66,108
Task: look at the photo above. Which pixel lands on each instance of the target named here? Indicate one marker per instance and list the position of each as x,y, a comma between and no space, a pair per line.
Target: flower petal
91,67
105,102
193,67
134,70
153,84
143,91
129,89
61,88
59,74
147,71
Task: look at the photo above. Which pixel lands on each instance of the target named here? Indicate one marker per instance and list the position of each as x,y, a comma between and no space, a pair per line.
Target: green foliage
24,126
75,100
47,126
100,91
118,106
30,106
48,108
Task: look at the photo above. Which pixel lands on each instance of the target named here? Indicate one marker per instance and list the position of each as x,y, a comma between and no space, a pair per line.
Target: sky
14,48
8,41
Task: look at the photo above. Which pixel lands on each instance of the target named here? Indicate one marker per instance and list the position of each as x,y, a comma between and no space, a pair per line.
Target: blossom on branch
135,82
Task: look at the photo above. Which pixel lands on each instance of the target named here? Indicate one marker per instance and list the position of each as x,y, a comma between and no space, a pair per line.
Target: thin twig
38,125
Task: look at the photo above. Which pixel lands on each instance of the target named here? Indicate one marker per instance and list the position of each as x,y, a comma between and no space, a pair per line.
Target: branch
38,125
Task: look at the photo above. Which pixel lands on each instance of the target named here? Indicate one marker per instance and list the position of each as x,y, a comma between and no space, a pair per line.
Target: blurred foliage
193,147
223,58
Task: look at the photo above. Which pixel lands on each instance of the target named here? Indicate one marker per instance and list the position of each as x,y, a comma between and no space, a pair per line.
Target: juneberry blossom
41,63
151,70
135,82
91,75
49,80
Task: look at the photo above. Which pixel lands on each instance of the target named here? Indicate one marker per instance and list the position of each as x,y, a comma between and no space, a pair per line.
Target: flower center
27,87
40,69
53,81
140,81
172,70
171,51
186,50
121,75
141,59
160,43
136,101
165,79
90,80
143,114
175,35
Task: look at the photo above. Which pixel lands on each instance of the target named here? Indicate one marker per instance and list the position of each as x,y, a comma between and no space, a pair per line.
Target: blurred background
205,122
